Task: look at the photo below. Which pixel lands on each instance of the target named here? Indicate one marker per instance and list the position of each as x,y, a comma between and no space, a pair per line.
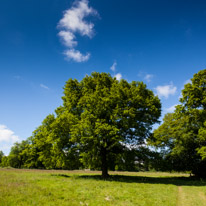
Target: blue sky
44,43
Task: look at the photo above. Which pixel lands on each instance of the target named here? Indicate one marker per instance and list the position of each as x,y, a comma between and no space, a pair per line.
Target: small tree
108,113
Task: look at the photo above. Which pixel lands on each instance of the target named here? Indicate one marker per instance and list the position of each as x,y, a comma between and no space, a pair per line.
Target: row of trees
107,124
141,159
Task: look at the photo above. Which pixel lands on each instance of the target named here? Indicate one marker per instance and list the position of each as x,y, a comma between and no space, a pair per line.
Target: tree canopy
108,113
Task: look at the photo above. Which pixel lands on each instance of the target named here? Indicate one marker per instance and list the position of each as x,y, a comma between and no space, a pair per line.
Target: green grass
41,187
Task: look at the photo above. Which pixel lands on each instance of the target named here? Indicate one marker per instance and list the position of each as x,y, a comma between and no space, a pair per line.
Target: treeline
105,124
141,159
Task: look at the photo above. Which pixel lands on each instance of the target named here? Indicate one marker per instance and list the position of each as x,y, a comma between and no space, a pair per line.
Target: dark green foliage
1,156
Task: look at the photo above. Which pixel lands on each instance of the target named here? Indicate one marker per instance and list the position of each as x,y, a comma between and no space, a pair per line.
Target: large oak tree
108,113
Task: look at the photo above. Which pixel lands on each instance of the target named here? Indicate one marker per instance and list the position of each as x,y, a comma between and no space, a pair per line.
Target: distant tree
41,147
184,132
1,156
64,152
108,113
50,146
4,161
16,156
176,139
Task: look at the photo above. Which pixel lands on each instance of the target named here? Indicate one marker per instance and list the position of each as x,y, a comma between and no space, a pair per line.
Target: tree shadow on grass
60,175
178,181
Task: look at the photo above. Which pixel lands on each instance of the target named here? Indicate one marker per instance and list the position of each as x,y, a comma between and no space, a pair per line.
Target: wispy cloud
7,138
171,109
73,21
145,76
113,67
166,90
68,38
148,77
76,55
118,76
183,86
44,86
187,81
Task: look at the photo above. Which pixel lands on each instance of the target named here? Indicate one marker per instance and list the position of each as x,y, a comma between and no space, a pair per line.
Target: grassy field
53,187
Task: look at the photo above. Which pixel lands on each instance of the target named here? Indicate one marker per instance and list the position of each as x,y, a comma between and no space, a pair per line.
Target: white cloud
187,81
73,21
7,139
68,38
180,95
165,91
76,55
183,86
171,109
44,86
7,135
118,76
148,77
113,67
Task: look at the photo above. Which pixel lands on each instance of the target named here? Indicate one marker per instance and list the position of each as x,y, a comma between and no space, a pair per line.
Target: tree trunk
104,163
